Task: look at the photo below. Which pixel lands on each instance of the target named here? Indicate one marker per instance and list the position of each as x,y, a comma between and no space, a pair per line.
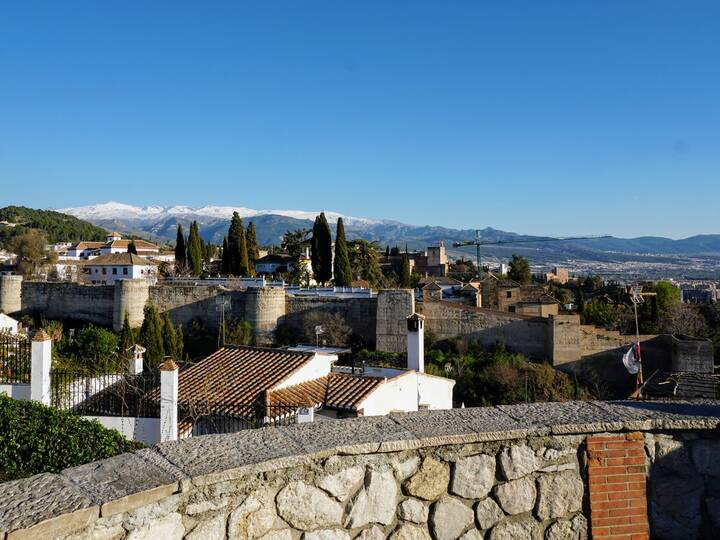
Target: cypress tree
341,265
236,236
179,343
225,269
151,337
322,249
405,277
180,249
132,248
170,344
253,249
244,262
126,339
194,250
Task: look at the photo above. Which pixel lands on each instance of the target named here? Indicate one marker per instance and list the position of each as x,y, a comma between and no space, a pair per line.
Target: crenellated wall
542,471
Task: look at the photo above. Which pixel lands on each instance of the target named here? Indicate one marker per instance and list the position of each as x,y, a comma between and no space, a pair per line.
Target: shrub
36,439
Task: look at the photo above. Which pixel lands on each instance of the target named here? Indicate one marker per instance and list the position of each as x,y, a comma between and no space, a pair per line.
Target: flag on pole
631,359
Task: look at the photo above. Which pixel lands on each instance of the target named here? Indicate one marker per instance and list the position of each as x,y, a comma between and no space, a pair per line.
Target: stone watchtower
131,295
10,294
264,306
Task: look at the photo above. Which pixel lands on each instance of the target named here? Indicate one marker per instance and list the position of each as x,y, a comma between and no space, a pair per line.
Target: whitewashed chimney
137,357
416,342
40,362
168,401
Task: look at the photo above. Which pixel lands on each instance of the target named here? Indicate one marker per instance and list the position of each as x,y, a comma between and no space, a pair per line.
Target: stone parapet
502,472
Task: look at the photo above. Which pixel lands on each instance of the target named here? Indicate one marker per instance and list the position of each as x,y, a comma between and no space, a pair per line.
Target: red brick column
616,483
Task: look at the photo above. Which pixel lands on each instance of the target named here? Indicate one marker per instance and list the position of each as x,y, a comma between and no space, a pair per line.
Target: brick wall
616,484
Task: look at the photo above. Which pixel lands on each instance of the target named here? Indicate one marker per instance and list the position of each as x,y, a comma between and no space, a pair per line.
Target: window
114,271
509,294
125,271
104,271
511,309
96,270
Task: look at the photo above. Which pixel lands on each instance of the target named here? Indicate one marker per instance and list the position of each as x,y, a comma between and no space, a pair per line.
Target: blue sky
535,117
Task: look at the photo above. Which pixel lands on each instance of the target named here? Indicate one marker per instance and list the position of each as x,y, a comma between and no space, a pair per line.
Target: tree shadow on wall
683,488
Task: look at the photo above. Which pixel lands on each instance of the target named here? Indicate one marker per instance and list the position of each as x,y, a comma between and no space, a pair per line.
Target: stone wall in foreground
540,471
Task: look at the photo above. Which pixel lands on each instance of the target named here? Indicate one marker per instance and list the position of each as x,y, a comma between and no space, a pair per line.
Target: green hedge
36,439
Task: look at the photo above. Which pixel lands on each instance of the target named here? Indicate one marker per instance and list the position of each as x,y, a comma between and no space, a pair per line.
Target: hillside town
158,342
359,271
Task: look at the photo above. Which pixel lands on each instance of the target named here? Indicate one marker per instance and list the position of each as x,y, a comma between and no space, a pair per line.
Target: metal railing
203,418
106,394
15,359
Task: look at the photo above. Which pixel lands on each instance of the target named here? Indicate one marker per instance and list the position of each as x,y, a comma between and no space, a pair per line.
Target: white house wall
318,367
146,430
398,394
435,392
16,391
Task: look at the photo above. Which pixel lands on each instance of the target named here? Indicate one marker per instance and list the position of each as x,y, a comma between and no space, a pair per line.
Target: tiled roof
120,259
139,244
238,374
87,245
336,391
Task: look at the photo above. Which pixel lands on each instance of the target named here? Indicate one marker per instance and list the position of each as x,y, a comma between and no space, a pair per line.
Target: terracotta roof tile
236,375
336,390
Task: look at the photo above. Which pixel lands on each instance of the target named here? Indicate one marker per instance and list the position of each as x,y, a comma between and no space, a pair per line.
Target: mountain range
160,223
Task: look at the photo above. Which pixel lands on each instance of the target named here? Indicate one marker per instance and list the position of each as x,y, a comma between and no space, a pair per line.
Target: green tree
600,313
519,270
580,300
253,250
592,283
667,296
126,339
341,265
365,262
237,247
132,248
30,251
96,346
292,241
180,250
405,275
322,250
151,337
172,345
194,249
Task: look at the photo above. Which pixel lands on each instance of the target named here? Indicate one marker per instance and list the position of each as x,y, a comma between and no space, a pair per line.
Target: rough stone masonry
504,472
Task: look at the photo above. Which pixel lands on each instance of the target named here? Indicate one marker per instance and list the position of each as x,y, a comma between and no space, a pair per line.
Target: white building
107,269
8,324
114,243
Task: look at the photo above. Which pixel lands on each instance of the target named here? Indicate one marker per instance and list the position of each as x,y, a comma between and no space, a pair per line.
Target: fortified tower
131,295
263,308
10,294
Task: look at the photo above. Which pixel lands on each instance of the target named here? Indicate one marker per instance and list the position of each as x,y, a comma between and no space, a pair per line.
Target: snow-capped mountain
119,211
160,223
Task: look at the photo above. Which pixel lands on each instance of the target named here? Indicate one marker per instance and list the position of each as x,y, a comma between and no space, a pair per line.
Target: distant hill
643,257
56,226
161,222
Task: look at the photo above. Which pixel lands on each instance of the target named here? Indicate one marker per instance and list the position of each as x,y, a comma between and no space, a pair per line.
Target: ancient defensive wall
549,471
592,353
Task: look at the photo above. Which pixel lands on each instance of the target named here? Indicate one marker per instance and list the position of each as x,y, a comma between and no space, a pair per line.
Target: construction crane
477,242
